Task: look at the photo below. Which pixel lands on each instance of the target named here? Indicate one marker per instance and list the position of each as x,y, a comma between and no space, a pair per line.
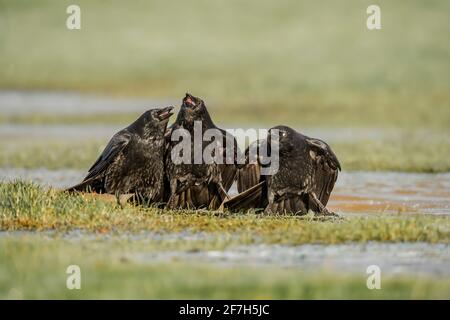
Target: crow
202,184
308,170
133,160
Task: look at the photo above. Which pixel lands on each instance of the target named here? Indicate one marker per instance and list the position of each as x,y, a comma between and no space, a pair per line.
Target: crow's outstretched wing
252,186
230,153
249,174
326,168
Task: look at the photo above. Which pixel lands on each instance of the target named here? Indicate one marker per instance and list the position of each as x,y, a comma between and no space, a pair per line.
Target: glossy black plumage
308,170
198,185
133,160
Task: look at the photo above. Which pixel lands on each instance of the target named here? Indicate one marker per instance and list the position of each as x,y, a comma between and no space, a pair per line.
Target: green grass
33,265
34,268
26,206
50,154
300,63
405,151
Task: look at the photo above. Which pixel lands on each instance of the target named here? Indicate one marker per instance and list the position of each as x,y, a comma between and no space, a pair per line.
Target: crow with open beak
308,170
198,185
133,160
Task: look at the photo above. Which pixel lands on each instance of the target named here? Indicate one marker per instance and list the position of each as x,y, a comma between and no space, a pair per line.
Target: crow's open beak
189,100
165,113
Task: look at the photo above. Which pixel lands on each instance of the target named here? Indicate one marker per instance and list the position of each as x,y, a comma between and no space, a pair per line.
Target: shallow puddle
392,192
54,178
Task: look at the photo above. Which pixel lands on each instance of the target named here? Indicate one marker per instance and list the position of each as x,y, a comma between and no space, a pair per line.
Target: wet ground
393,259
392,192
355,193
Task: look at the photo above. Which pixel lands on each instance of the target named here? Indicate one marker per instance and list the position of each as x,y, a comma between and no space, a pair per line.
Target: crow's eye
283,134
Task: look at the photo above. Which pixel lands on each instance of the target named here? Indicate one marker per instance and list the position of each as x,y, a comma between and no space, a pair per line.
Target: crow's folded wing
112,150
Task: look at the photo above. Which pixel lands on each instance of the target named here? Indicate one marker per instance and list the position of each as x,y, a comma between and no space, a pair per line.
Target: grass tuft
26,206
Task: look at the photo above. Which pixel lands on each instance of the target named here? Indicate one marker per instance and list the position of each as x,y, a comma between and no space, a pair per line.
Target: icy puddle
355,192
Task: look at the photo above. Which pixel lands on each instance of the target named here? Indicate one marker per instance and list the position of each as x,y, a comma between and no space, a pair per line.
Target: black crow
307,172
194,184
133,160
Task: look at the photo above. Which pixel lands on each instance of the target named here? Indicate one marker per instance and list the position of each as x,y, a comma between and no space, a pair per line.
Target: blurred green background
302,63
258,63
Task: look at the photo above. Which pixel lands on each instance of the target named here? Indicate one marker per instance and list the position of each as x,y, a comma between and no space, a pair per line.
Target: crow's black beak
165,113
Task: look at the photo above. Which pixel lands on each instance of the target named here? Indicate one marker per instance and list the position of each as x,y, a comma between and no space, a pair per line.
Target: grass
295,62
26,206
33,265
50,154
33,268
407,152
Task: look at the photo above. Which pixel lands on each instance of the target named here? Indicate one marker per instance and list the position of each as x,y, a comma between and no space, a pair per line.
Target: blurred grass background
302,63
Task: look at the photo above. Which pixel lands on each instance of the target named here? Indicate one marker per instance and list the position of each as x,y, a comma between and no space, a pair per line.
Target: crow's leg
322,210
223,192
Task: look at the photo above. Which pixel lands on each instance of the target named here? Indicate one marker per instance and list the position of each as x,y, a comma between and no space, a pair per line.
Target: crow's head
283,137
193,109
153,123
